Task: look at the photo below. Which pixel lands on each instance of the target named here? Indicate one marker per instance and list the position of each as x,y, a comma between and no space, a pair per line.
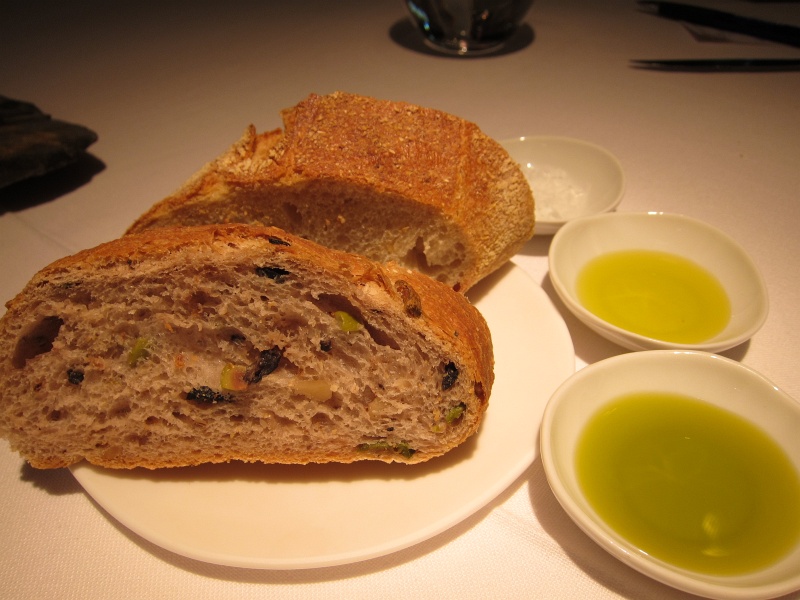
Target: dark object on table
721,65
765,30
32,143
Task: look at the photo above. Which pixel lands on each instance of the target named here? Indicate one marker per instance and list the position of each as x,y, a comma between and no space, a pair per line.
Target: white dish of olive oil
650,281
685,466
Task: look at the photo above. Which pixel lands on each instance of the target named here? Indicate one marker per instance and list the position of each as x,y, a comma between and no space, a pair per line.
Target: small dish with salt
569,178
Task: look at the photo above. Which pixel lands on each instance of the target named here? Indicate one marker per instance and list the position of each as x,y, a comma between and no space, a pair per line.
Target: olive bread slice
183,346
389,180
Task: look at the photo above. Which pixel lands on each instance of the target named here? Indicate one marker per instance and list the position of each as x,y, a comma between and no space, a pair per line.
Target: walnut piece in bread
389,180
235,342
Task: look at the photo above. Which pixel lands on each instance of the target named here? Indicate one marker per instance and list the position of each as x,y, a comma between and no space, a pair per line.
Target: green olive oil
655,294
689,483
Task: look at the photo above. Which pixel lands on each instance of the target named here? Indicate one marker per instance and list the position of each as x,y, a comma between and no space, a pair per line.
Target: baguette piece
389,180
234,342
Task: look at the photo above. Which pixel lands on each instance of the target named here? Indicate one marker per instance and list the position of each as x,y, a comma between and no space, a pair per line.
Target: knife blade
720,65
765,30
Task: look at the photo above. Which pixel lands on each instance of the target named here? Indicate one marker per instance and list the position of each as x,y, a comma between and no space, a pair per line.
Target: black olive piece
74,376
277,241
205,395
450,376
277,274
325,345
267,362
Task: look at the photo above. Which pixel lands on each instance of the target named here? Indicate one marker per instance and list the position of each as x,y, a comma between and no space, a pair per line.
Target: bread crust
75,288
424,188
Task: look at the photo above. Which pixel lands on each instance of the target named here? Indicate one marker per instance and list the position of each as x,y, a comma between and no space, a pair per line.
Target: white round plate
294,516
569,178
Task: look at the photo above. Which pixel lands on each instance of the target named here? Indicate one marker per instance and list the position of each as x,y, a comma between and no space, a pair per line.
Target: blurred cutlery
765,30
720,65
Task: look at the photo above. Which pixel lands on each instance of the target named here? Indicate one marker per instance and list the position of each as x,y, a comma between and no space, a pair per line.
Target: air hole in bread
334,402
37,340
202,298
143,314
119,410
281,420
439,262
140,439
378,408
321,419
381,338
294,216
416,257
368,395
331,303
182,417
75,294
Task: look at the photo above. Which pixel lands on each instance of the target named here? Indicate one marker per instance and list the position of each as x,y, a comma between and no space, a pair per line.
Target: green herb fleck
347,322
139,351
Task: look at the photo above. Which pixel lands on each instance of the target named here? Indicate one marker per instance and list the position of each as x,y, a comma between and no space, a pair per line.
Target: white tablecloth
169,85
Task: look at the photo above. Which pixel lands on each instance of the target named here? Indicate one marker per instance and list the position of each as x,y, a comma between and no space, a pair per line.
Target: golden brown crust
406,159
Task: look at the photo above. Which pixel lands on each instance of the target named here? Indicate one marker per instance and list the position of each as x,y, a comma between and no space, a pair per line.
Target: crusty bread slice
236,342
388,180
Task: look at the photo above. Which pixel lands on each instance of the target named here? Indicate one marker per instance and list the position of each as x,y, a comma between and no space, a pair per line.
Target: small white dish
584,239
569,178
719,381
